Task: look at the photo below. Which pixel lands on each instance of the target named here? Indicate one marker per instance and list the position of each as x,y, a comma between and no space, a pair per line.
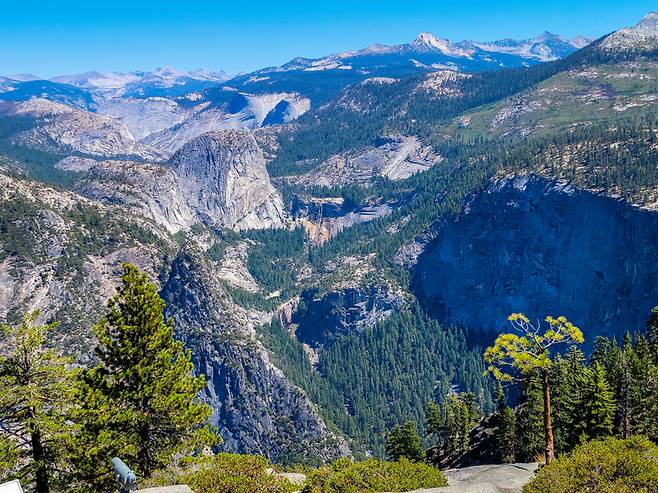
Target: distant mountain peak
580,41
168,71
445,46
547,37
649,21
642,36
24,77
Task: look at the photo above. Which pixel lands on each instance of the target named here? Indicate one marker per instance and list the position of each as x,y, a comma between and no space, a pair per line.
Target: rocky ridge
257,409
218,179
63,129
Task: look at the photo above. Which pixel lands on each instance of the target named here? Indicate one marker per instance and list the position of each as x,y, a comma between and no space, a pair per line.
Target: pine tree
644,391
451,428
35,394
505,433
505,436
598,405
652,333
529,420
567,377
463,426
433,420
530,352
9,455
404,441
140,401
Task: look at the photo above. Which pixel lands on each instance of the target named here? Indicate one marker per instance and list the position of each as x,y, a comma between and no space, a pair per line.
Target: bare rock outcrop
60,128
255,406
224,179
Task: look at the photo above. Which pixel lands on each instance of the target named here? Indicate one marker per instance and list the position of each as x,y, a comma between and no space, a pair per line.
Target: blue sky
51,37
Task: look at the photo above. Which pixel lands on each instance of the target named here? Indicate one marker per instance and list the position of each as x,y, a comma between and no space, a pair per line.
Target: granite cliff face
150,189
395,157
223,177
255,406
218,179
541,247
321,319
62,254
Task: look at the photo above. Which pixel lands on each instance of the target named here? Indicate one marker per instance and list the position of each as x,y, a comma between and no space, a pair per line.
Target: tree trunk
145,453
39,457
548,424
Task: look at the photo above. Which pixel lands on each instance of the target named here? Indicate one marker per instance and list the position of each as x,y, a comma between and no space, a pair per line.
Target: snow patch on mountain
96,80
426,40
545,47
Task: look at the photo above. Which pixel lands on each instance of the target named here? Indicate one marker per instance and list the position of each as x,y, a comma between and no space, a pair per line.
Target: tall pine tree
141,401
433,421
598,405
505,433
567,374
512,354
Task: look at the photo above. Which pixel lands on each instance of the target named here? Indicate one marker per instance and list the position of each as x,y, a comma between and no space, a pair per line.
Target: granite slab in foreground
178,488
497,478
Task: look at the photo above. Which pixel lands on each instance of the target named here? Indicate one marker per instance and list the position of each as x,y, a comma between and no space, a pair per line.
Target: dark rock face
322,319
535,246
254,405
280,114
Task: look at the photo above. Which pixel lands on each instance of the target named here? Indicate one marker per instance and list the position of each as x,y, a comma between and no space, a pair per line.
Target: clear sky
52,37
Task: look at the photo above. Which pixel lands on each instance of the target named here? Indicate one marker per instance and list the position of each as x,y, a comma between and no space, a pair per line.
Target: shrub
602,466
225,473
372,476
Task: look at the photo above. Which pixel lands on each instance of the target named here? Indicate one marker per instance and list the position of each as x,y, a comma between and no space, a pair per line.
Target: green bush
372,476
225,473
602,466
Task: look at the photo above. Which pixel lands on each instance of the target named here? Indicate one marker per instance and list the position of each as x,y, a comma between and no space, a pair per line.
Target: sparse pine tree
512,354
35,394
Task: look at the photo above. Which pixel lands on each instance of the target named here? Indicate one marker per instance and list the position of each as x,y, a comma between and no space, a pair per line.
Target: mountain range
336,239
425,52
